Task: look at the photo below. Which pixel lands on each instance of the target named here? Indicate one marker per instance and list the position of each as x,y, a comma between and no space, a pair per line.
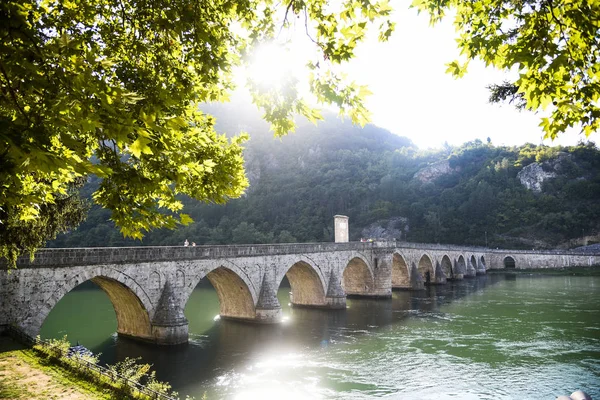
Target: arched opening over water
93,310
447,267
482,260
400,272
425,269
357,278
202,307
509,262
474,263
235,299
306,286
461,266
220,293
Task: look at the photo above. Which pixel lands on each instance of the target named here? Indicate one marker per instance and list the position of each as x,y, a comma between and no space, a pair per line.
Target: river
500,336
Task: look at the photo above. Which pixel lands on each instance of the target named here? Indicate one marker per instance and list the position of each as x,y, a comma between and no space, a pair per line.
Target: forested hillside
472,194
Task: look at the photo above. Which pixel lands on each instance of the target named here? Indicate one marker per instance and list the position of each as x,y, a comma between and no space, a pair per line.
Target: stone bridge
150,286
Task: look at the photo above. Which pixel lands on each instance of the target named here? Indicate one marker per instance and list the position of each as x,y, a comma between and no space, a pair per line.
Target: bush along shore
127,379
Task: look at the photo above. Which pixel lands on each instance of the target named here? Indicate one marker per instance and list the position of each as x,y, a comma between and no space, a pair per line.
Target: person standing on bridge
186,243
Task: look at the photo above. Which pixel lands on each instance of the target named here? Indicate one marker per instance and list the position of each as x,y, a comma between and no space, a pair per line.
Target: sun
271,65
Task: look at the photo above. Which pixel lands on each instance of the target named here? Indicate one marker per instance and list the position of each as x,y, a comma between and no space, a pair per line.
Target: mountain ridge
375,177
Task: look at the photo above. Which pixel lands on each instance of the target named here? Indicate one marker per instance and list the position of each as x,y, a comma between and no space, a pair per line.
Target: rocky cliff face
390,229
533,175
434,171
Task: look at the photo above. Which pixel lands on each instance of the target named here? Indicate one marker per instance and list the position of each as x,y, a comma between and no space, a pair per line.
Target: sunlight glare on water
494,337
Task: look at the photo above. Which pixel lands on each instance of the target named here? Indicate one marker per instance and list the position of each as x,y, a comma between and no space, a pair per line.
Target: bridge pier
169,325
440,277
268,314
471,271
335,297
268,309
480,267
382,274
149,286
416,281
457,273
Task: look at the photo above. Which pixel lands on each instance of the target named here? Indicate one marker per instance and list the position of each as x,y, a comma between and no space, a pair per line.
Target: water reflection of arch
228,341
369,313
446,266
425,269
131,303
235,290
400,272
357,276
423,300
221,349
216,350
308,285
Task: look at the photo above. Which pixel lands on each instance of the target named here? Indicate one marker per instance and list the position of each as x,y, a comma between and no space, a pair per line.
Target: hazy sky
414,97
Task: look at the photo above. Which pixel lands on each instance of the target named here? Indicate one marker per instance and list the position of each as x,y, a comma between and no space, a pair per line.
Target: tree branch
287,10
13,95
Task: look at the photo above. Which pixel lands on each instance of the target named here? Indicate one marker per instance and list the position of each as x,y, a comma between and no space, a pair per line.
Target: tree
246,233
16,236
286,237
554,44
112,88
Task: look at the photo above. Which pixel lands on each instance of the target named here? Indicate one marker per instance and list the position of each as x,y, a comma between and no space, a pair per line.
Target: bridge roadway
150,286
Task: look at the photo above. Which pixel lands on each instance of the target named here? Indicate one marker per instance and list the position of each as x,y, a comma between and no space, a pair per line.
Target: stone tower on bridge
149,287
342,231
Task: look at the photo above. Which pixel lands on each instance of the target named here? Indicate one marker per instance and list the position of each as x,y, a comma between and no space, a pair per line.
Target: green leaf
456,69
140,146
185,219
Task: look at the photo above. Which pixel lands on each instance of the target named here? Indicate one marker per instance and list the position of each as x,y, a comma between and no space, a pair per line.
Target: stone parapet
118,255
150,286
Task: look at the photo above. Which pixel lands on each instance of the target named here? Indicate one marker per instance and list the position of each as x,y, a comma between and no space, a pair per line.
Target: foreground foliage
112,88
26,375
121,376
64,213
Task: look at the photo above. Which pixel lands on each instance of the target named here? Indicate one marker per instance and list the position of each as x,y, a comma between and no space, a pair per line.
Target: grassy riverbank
46,371
25,375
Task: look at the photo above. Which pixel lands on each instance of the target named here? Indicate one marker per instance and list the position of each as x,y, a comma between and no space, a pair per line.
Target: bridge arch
482,263
307,284
357,278
473,262
461,266
426,270
132,305
509,262
400,272
446,266
236,293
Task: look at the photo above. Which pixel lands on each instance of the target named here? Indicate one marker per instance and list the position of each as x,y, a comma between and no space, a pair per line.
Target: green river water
500,336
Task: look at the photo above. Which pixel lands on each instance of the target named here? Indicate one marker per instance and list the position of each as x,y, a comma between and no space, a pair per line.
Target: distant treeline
300,182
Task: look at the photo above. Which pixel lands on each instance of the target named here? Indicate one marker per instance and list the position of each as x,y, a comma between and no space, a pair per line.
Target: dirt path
21,378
